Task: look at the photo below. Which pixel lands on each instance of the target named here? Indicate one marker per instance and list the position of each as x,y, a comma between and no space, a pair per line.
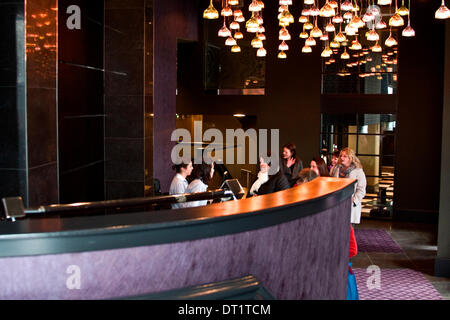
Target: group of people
344,164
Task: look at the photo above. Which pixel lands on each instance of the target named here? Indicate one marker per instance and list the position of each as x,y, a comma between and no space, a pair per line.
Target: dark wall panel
81,103
419,118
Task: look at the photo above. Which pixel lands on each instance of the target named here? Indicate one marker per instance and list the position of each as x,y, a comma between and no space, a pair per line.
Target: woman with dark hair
334,160
179,183
290,164
202,175
319,167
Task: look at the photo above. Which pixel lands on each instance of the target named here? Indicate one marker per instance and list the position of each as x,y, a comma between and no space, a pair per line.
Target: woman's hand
290,162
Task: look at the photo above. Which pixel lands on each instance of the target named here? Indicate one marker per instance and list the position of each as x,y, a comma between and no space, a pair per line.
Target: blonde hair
352,155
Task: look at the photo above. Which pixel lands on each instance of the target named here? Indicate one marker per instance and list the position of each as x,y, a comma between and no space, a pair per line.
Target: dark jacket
292,172
276,182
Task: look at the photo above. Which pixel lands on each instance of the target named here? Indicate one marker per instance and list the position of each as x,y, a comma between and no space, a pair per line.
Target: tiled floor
418,242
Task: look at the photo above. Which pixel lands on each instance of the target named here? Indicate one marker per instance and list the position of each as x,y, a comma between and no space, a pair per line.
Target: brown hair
202,172
306,175
322,166
292,148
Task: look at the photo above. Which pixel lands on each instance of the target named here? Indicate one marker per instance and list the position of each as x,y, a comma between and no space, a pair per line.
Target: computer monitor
234,186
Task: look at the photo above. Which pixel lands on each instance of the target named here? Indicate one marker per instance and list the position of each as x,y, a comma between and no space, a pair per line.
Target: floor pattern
375,240
394,284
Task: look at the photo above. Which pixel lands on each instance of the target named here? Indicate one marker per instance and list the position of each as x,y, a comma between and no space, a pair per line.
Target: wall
442,265
80,103
28,104
419,116
176,19
292,92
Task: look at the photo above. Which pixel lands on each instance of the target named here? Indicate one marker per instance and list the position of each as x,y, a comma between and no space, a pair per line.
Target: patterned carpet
394,284
375,240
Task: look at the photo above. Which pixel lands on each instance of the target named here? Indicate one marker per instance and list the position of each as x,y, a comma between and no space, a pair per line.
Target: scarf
345,173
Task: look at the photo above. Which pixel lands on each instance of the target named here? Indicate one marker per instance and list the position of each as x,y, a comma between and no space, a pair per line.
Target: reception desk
296,242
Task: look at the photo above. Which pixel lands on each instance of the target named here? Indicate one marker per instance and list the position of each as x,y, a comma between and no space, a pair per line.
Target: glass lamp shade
256,43
443,12
316,32
306,49
314,11
340,37
327,11
396,20
349,31
310,42
335,44
252,29
381,25
356,45
333,4
376,48
230,42
403,11
284,34
261,52
324,37
261,36
368,16
384,2
308,26
303,19
304,35
345,55
282,8
337,19
372,35
224,32
238,13
408,31
286,2
238,35
233,2
346,5
260,3
308,2
327,52
234,25
254,7
348,15
226,12
210,12
240,19
252,23
357,22
235,49
286,17
261,29
282,55
283,46
390,42
330,27
306,12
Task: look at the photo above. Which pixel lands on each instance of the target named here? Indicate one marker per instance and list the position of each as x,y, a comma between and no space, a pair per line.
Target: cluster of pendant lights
345,12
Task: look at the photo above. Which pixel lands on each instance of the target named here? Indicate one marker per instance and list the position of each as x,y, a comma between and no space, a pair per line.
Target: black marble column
28,165
13,154
80,103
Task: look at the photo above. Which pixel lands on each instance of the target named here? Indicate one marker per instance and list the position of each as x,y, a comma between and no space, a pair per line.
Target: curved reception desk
295,242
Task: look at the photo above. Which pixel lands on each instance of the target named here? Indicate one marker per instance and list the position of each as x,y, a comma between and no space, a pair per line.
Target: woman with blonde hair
349,166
